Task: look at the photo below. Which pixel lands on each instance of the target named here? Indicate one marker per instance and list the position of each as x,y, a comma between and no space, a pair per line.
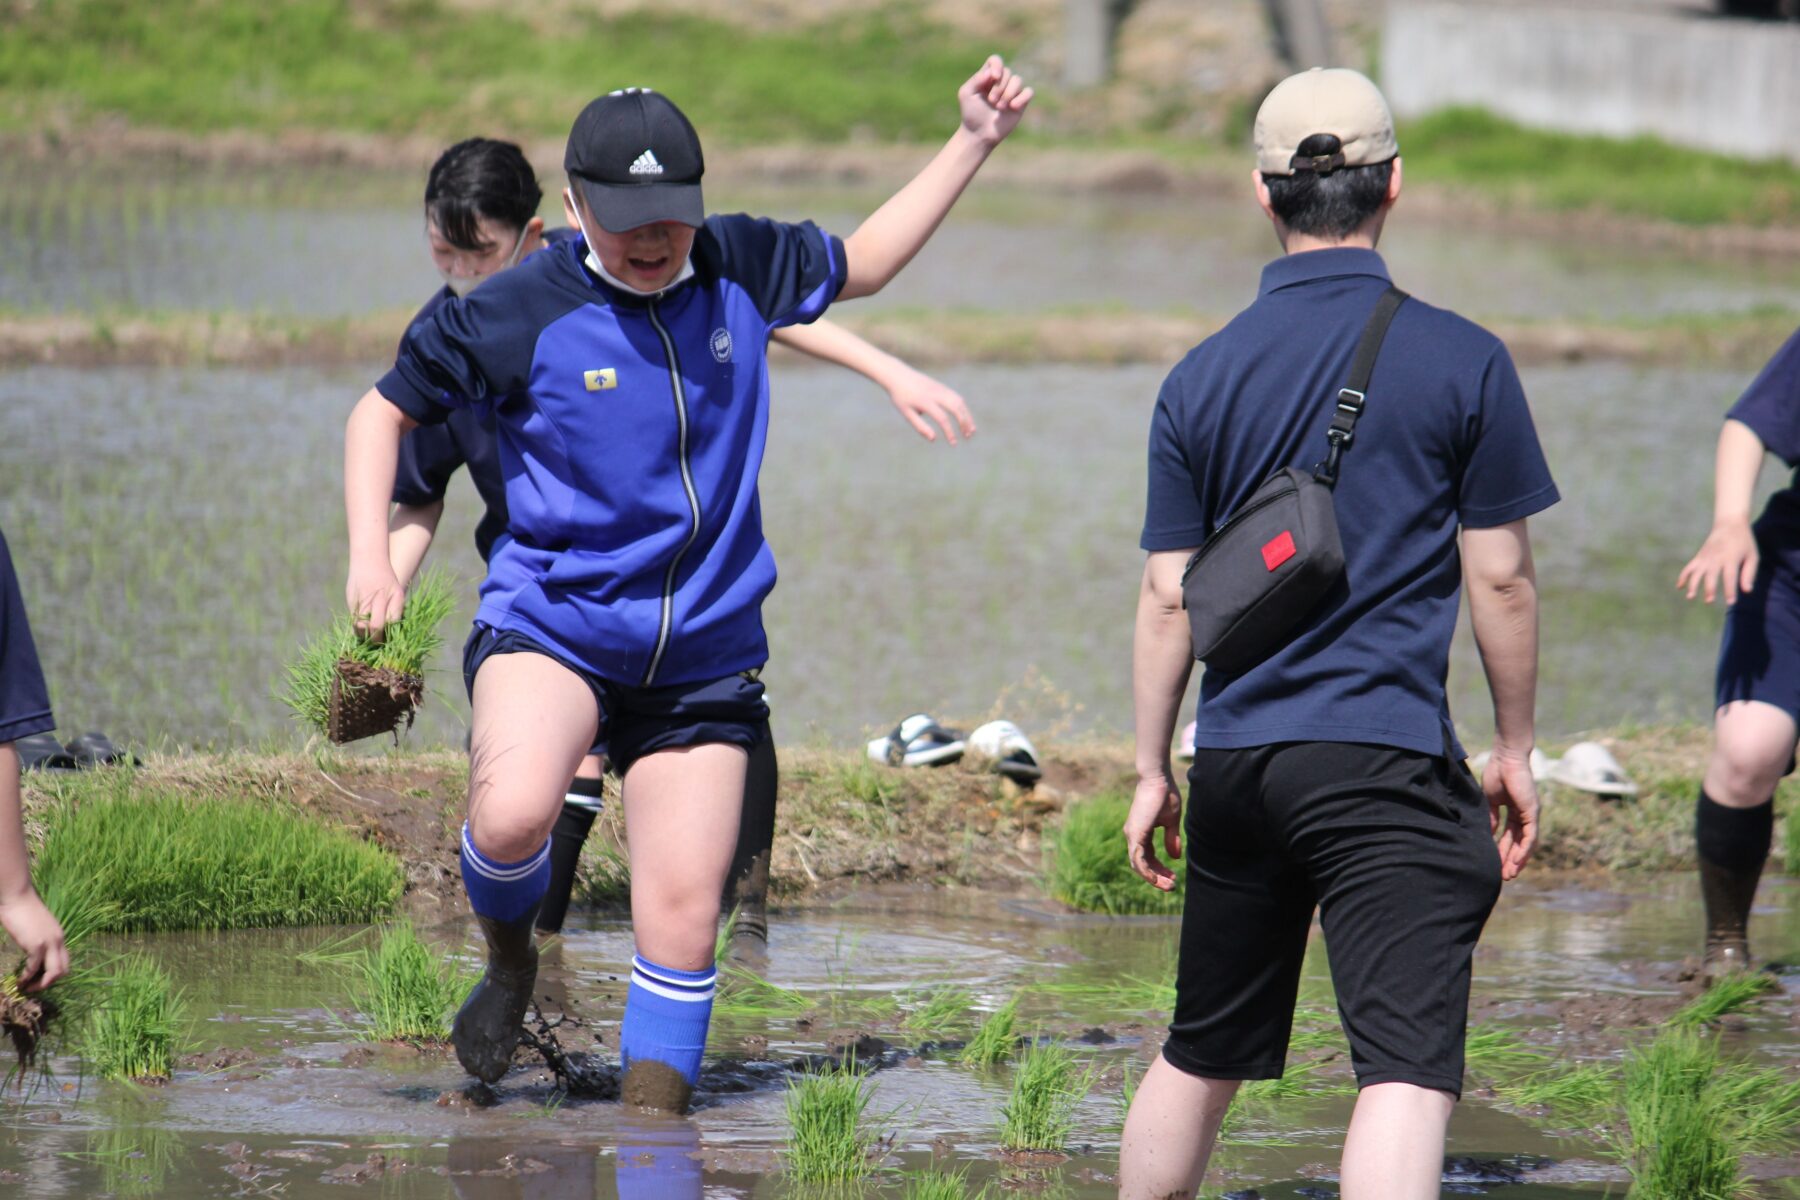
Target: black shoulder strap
1354,394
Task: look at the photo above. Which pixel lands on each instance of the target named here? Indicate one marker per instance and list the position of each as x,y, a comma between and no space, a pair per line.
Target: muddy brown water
179,532
285,1100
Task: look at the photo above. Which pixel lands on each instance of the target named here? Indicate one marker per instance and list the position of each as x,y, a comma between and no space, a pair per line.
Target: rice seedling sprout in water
406,646
1731,993
941,1011
1677,1144
137,1031
996,1039
942,1185
1048,1084
1088,868
407,990
1586,1092
828,1135
1491,1050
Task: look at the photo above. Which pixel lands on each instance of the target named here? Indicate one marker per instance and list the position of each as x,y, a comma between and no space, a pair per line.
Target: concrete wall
1726,85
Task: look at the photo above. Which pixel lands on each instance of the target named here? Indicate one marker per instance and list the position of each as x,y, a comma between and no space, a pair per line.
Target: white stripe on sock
487,869
650,985
665,975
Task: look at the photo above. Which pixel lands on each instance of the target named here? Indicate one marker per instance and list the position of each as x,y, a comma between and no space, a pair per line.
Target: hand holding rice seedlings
137,1031
1088,868
1047,1086
829,1138
995,1040
334,684
407,990
27,1019
1728,995
163,860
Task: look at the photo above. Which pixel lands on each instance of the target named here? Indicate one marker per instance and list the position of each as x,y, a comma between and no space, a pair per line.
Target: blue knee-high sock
666,1015
503,891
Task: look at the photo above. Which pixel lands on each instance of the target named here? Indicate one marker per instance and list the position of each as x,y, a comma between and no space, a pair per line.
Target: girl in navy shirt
1756,569
626,378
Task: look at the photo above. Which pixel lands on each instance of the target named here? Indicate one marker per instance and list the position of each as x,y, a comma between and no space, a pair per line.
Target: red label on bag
1279,550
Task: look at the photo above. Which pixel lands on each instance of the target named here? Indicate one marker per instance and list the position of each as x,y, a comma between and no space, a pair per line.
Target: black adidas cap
637,160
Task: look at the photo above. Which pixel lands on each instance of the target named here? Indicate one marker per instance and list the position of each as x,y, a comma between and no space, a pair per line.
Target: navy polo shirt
1445,441
1770,406
24,699
431,454
630,433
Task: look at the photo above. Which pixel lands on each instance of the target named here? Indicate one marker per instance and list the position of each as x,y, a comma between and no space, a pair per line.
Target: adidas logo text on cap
646,164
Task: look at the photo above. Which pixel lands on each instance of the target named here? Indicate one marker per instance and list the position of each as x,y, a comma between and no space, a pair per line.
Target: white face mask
597,267
462,285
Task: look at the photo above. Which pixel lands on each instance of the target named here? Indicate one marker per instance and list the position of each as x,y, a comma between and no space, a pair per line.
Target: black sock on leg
1734,838
566,840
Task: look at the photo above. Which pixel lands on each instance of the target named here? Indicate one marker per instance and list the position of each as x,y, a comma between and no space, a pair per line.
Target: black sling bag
1278,556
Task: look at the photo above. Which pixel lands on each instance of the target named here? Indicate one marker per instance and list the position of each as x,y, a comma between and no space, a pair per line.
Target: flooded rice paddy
282,1098
180,531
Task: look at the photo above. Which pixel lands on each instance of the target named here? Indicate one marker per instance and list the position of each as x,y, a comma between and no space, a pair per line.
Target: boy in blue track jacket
627,379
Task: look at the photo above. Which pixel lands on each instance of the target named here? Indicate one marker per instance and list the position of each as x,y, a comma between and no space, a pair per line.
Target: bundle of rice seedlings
407,991
829,1137
942,1185
1585,1093
159,860
137,1031
1728,995
1047,1086
348,687
996,1039
1088,867
30,1019
938,1012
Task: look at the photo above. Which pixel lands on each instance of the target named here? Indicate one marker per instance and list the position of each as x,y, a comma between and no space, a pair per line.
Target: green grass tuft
1048,1084
407,990
941,1185
1491,1050
1088,868
745,993
939,1012
1586,1093
1678,1147
996,1040
829,1138
159,860
1728,995
406,646
138,1030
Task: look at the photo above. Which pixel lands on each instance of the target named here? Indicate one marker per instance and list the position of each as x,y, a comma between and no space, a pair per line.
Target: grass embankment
1084,336
449,69
159,858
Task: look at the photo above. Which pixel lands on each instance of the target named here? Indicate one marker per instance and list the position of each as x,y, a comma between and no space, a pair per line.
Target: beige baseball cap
1335,100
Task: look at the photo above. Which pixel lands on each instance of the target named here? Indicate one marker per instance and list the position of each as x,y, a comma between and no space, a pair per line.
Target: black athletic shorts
1392,847
635,721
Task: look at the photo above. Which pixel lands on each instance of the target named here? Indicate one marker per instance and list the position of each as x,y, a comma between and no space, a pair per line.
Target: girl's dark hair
1328,206
476,179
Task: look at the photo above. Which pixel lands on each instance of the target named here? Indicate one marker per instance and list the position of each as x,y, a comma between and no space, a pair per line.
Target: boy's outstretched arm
992,101
920,398
371,452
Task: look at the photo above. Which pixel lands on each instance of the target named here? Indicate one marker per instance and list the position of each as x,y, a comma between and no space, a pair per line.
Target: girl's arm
920,398
992,102
1727,560
371,451
410,530
22,913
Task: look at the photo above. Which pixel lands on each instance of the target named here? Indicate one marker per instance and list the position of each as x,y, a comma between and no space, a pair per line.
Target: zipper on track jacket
687,482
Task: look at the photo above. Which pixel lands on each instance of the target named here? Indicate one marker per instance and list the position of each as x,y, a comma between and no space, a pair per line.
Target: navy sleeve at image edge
24,697
1770,406
429,458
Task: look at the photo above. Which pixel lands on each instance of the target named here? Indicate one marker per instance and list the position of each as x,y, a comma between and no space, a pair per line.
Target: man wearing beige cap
1327,775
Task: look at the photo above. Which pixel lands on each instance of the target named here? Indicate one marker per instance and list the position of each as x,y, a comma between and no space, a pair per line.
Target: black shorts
635,721
1759,653
1393,848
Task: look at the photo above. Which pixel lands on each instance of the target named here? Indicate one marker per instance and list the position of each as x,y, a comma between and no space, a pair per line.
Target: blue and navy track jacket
630,432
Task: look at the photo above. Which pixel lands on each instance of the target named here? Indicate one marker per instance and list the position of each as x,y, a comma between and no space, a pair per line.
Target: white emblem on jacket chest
721,344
